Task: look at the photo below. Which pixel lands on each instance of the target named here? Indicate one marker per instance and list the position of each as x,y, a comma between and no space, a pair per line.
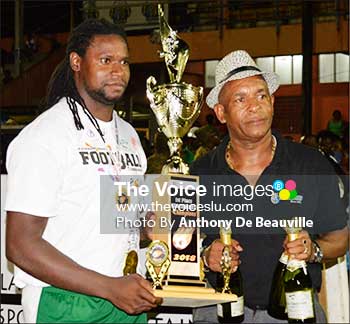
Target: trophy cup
173,258
177,104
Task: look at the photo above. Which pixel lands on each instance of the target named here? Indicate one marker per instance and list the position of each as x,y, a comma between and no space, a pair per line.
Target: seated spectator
7,76
336,125
326,141
208,141
191,143
309,140
31,43
289,138
209,128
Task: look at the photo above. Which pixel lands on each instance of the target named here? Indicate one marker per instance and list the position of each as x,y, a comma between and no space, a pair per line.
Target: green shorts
63,306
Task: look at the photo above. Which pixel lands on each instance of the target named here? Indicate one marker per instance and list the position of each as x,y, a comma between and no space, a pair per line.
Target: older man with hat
243,100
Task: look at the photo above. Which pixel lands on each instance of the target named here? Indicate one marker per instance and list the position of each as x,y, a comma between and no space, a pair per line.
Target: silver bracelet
204,257
318,254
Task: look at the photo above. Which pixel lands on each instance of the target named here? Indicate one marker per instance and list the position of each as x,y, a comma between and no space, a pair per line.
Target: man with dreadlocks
68,270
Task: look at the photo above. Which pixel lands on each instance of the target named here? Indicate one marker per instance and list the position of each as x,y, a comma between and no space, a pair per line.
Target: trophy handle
131,262
150,84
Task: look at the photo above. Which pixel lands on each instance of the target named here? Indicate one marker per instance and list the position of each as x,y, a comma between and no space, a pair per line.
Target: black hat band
239,69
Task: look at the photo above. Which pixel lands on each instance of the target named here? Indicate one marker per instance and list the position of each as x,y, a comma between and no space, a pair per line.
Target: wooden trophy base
189,296
182,285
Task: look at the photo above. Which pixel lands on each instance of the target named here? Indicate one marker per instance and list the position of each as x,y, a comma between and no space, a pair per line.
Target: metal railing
203,15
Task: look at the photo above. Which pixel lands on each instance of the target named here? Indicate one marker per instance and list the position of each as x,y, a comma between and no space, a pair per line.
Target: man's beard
101,97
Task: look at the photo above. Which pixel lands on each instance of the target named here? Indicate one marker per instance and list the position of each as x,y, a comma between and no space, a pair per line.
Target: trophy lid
175,50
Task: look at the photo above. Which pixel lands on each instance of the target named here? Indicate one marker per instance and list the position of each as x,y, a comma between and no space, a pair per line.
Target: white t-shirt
54,171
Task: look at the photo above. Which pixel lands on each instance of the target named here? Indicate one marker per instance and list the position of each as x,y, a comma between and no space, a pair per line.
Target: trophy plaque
173,258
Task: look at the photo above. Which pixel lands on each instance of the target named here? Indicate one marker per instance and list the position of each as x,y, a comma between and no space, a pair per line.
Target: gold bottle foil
225,235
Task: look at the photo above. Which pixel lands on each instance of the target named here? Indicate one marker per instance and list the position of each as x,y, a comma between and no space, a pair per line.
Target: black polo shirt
319,200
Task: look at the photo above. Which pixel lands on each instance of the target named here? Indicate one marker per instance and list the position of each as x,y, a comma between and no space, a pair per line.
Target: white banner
11,314
169,318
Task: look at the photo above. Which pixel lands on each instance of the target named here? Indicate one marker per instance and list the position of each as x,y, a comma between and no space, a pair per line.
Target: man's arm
333,244
26,248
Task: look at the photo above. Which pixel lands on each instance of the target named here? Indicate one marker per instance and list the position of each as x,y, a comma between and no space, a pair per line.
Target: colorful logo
285,190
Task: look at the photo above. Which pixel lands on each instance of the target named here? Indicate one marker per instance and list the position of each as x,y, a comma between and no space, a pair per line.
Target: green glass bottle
232,312
277,300
298,290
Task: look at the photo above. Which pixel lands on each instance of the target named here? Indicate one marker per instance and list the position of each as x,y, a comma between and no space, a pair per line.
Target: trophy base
188,296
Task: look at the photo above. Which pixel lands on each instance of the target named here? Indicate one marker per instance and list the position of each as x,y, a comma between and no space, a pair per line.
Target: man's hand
301,248
28,250
213,254
333,244
133,294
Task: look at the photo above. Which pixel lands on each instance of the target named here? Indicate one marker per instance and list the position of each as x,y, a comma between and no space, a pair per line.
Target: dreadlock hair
62,83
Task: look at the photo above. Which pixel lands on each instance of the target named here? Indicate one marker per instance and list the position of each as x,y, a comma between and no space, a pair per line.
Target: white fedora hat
235,66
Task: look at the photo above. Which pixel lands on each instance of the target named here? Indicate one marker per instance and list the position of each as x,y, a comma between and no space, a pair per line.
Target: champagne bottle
230,282
277,300
298,289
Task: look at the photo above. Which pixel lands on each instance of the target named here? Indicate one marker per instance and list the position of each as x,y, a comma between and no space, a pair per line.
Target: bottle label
237,308
295,264
220,310
300,304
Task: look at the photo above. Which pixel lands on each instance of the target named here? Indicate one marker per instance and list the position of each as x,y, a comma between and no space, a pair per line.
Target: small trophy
157,262
177,104
173,258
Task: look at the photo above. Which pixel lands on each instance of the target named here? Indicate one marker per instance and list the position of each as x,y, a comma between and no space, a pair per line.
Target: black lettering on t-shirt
129,162
138,163
85,157
103,157
95,157
112,157
132,157
123,161
136,159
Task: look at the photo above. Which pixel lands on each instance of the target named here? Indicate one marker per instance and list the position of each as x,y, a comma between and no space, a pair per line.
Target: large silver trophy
177,104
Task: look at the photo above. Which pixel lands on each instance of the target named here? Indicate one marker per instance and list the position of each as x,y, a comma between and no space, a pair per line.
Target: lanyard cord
72,103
